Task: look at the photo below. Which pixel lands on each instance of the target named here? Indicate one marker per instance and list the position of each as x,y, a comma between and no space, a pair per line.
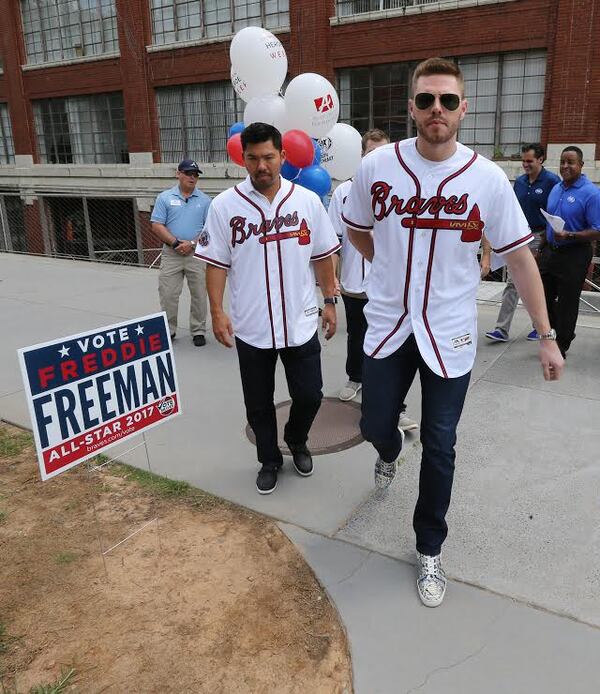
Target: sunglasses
195,174
425,100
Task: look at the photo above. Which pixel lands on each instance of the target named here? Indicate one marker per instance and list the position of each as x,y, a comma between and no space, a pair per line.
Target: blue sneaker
496,336
533,335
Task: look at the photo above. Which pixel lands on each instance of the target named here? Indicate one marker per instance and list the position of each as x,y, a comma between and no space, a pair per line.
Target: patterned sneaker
349,391
496,336
405,423
533,335
385,472
431,582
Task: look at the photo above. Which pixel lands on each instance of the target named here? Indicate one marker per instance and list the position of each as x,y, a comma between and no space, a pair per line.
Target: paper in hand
557,223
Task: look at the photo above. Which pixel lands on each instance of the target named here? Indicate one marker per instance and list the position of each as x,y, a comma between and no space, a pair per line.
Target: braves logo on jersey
242,230
384,204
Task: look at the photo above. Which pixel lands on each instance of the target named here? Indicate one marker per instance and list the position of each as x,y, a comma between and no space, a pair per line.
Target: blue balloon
236,128
317,159
315,178
289,171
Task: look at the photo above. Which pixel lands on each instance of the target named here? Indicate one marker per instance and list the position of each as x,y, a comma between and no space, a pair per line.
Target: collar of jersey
248,189
176,191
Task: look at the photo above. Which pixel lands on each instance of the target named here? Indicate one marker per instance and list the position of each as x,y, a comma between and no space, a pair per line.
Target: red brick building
98,98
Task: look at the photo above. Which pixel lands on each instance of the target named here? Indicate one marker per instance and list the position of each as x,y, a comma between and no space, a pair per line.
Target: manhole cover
336,426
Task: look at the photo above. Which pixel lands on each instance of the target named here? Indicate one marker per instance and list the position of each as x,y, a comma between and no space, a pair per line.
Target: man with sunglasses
416,211
178,219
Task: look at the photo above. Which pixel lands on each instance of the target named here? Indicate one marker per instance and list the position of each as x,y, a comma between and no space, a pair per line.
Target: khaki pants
173,268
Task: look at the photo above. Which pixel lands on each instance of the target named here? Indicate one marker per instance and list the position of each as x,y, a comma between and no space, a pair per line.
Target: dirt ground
208,598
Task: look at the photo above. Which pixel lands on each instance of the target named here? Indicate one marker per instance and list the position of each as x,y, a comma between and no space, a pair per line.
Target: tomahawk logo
324,103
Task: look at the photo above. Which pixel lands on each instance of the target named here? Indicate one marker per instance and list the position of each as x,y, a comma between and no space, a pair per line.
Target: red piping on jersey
285,336
262,214
430,265
212,261
409,259
513,244
354,225
324,255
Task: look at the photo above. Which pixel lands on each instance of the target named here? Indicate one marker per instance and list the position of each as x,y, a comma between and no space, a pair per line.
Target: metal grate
12,219
336,427
64,29
82,129
185,20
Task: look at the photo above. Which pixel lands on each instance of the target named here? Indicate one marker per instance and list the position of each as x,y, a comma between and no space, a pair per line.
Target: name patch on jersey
175,203
462,341
242,230
311,311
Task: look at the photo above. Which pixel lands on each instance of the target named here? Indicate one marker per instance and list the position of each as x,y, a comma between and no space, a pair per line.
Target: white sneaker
405,423
349,391
385,472
431,582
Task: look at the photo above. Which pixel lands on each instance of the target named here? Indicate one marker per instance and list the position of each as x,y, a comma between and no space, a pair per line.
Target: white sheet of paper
557,223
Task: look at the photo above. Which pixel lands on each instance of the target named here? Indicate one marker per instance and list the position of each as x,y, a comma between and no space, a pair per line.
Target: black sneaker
266,480
172,336
302,460
199,340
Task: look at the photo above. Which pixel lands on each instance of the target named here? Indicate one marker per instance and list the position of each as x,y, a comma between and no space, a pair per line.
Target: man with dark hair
264,235
566,256
532,190
177,219
416,211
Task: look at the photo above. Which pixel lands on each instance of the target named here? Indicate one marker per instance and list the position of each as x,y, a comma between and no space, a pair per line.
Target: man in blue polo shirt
178,219
565,258
532,190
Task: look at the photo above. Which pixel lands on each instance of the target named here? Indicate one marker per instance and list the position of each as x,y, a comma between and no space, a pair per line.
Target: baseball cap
189,165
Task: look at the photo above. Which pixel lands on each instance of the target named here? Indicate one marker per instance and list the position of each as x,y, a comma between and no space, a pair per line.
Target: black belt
569,246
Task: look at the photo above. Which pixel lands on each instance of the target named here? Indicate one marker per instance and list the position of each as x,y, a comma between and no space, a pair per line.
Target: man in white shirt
416,211
265,235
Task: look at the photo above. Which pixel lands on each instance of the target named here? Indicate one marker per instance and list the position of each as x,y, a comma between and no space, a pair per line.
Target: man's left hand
561,235
551,359
329,321
186,248
484,267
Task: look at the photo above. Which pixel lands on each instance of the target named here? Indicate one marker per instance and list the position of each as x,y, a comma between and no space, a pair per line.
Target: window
7,149
349,8
82,129
63,29
194,120
506,99
505,94
185,20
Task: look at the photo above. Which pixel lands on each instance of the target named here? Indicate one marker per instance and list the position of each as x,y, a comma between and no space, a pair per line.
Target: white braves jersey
427,219
267,249
354,267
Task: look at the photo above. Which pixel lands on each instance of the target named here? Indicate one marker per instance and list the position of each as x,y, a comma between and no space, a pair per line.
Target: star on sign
64,352
139,330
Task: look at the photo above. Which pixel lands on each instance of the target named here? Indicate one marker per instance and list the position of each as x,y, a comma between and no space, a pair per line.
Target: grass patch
64,558
5,639
13,442
2,516
57,687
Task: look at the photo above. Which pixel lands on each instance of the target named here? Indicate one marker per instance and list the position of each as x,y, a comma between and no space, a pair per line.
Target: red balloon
234,149
299,148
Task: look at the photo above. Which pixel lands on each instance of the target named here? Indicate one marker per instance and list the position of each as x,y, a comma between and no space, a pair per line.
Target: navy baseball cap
189,165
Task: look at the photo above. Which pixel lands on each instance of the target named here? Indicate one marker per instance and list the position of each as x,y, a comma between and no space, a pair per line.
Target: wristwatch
550,335
572,235
330,300
175,243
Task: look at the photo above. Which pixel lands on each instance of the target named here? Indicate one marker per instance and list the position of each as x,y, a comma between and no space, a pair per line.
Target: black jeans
303,374
563,271
385,385
356,326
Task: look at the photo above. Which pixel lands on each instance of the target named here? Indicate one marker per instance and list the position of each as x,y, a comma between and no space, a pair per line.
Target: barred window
63,29
82,129
194,120
185,20
7,148
349,8
505,93
506,99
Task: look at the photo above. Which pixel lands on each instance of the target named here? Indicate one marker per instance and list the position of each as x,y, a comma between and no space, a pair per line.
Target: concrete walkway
523,522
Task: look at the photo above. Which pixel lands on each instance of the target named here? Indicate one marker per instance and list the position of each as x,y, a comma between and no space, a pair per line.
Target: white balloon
266,109
259,62
312,104
341,151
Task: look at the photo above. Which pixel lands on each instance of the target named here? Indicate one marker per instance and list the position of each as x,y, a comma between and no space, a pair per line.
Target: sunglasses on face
425,100
195,174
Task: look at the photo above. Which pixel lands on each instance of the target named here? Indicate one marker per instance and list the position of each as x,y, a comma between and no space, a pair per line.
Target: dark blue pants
303,374
356,327
385,385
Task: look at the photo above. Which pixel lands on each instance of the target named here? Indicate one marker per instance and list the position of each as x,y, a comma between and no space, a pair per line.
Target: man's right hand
222,329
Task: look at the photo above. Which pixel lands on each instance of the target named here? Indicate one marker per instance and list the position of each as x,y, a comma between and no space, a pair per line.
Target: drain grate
336,426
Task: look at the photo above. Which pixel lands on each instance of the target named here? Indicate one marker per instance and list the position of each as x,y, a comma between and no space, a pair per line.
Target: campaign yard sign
90,391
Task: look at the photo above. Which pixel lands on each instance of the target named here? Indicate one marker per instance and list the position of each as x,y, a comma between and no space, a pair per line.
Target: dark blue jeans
385,385
303,374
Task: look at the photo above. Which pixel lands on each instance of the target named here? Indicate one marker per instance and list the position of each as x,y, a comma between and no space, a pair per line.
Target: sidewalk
523,522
